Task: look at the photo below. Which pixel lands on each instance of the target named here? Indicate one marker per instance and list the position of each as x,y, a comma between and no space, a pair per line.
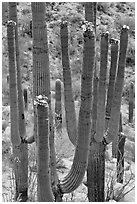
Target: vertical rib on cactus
100,124
43,173
112,77
68,93
58,109
76,174
131,102
116,104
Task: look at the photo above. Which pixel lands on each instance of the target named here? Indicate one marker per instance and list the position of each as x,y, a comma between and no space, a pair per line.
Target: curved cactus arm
68,93
116,104
15,138
112,76
76,174
100,124
58,104
43,174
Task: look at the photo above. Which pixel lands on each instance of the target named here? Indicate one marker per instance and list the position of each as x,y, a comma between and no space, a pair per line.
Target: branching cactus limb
68,93
43,173
102,88
15,138
22,148
131,102
76,174
19,170
58,104
13,16
112,76
116,104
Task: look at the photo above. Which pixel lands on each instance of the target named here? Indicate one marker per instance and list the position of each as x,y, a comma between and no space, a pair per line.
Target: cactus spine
116,104
43,173
58,109
131,102
68,93
76,174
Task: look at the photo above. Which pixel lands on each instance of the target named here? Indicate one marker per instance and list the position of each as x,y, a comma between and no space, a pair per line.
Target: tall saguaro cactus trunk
41,77
21,151
96,163
43,152
68,93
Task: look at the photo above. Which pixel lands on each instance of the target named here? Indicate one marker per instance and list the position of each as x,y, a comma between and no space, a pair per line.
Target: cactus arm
102,89
112,76
68,93
76,174
43,174
22,127
15,139
116,104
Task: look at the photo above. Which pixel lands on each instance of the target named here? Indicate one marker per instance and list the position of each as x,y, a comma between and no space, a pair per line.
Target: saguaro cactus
41,74
76,174
22,148
112,77
102,89
43,173
116,104
68,93
15,136
96,160
58,104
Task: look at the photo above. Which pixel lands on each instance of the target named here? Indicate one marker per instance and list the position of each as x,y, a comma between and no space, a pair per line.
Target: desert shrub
103,6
